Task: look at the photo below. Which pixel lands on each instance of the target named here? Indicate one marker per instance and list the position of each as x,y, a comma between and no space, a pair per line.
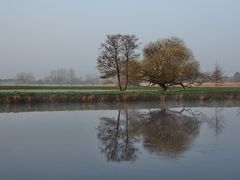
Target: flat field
7,90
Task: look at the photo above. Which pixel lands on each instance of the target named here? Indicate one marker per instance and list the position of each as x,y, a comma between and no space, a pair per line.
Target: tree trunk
163,86
126,84
115,147
119,78
127,135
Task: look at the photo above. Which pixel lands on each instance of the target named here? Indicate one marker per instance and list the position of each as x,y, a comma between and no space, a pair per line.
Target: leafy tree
114,57
169,62
134,69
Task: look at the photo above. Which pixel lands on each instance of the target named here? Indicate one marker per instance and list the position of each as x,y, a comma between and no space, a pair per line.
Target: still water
148,141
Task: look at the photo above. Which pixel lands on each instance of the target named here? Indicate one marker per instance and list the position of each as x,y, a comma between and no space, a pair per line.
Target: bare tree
217,74
109,60
71,76
116,52
130,44
61,76
169,62
24,77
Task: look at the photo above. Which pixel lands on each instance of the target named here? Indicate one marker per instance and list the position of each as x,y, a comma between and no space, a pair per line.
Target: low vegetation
62,94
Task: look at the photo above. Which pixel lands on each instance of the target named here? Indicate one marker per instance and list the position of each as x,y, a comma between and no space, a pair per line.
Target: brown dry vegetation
223,84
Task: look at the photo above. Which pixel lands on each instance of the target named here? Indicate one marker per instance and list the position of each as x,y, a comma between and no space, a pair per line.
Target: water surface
125,141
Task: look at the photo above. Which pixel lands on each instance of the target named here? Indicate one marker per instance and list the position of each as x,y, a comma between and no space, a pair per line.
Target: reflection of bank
163,132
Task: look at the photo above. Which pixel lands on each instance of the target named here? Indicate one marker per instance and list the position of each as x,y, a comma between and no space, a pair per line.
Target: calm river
124,141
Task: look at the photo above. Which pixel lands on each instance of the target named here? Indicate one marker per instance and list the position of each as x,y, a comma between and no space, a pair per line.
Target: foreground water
121,142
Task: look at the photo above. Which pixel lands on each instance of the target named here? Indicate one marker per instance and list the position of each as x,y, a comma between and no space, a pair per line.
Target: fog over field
38,36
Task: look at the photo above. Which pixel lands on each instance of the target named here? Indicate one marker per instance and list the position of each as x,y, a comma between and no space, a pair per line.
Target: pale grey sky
37,36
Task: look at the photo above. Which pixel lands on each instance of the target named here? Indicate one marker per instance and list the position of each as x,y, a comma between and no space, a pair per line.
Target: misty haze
119,89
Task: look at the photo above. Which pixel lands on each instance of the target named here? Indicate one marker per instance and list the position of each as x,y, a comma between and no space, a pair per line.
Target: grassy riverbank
61,94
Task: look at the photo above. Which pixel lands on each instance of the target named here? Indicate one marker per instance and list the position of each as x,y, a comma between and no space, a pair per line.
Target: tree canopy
166,62
169,62
114,57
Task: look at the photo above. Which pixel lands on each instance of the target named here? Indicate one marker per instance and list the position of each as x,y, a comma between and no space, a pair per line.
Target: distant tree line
218,75
24,77
58,77
164,62
61,76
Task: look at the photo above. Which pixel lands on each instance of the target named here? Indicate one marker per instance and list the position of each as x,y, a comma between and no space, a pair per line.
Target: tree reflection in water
216,122
163,132
117,139
168,132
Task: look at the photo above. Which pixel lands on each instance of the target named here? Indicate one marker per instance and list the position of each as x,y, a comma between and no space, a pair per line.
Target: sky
40,35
